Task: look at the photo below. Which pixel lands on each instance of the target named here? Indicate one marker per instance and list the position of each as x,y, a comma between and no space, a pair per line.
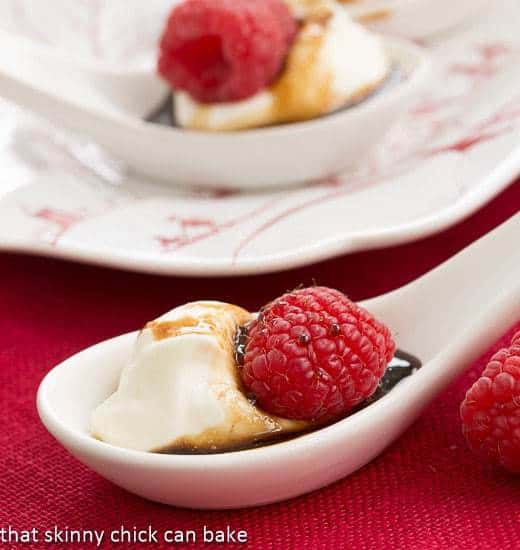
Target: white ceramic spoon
278,155
446,318
102,88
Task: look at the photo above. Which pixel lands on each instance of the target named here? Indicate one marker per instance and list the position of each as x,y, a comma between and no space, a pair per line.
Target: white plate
457,148
416,18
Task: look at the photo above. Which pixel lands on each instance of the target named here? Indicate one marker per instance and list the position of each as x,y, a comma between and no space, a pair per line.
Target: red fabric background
426,491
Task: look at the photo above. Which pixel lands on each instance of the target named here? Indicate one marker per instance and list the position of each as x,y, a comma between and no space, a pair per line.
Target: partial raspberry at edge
313,354
225,50
490,412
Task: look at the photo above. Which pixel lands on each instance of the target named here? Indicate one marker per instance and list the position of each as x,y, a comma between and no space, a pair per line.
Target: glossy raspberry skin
225,50
314,355
490,411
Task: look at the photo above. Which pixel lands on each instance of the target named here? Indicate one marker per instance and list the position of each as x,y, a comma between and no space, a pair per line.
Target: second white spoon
446,318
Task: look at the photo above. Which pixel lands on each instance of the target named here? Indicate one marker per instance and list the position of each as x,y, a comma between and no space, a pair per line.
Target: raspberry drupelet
313,354
490,411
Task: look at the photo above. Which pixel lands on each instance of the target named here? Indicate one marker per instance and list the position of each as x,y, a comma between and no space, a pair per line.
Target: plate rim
503,175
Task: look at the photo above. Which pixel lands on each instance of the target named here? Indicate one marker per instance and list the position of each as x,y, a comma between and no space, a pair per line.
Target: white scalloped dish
457,147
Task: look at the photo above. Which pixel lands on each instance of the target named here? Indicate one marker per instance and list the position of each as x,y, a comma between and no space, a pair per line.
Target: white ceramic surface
101,53
123,33
280,155
416,18
133,92
456,148
445,318
115,35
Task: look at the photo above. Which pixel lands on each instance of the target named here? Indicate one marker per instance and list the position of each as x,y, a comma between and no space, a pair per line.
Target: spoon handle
474,295
61,87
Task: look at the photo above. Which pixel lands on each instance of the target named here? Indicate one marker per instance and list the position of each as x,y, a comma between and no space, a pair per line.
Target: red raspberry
490,411
312,354
225,50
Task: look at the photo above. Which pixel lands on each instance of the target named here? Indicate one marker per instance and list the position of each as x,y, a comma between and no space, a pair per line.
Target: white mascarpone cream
181,390
332,62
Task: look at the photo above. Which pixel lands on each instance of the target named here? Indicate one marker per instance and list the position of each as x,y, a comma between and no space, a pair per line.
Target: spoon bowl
446,318
279,155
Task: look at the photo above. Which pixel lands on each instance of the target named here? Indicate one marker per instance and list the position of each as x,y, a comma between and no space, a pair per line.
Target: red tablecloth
426,491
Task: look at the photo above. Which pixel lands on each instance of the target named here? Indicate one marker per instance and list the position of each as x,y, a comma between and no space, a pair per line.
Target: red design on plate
60,219
487,64
490,128
194,229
